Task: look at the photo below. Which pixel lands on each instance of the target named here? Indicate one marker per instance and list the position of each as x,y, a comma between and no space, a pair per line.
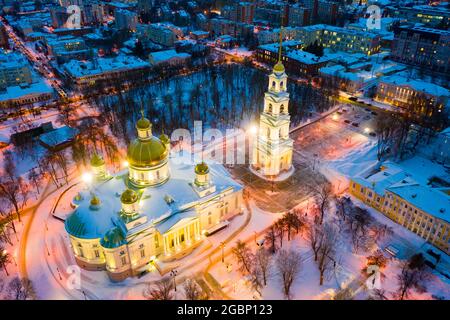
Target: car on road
353,98
372,134
374,113
347,121
355,124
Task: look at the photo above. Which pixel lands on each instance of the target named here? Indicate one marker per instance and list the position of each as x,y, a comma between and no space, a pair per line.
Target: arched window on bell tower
270,108
273,84
282,108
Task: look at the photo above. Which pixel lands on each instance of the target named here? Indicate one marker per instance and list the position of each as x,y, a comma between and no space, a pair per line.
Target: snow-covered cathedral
272,152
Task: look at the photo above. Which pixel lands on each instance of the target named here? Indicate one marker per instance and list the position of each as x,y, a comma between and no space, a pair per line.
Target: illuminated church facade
157,210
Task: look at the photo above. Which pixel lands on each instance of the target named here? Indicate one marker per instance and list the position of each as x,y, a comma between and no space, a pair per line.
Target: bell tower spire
279,67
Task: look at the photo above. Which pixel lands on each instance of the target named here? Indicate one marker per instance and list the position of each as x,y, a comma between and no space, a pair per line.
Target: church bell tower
272,153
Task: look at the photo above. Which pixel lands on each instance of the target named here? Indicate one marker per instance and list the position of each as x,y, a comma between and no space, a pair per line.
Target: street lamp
253,130
222,245
173,274
125,164
86,177
366,130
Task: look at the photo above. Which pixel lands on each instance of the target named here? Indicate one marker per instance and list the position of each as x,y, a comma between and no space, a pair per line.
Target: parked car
347,121
373,134
355,124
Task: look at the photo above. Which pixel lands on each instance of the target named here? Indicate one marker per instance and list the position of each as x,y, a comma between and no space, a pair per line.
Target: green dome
143,123
114,238
144,153
97,161
129,196
201,168
164,138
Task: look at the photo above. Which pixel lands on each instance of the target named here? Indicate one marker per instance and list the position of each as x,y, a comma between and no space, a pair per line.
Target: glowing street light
125,164
366,130
87,177
253,130
335,117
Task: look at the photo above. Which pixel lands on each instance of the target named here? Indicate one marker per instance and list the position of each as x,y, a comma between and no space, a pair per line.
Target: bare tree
288,265
243,256
271,239
5,259
192,290
279,229
11,191
412,276
323,196
263,260
315,235
326,253
21,289
161,290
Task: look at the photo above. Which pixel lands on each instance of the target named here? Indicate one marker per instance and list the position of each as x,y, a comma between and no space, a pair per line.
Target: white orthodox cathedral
161,209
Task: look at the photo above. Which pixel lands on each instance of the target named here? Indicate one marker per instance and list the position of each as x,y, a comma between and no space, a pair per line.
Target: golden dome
201,168
279,67
95,201
145,153
143,123
129,196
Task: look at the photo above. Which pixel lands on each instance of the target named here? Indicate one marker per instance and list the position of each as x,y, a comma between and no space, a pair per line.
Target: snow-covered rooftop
102,65
153,200
417,85
430,200
166,55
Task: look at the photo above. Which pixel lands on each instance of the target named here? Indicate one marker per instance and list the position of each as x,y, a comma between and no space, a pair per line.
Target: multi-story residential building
243,12
3,37
418,207
422,47
67,48
298,62
326,12
157,33
221,27
340,39
400,91
126,20
14,70
182,18
84,74
145,5
59,16
299,16
432,16
98,11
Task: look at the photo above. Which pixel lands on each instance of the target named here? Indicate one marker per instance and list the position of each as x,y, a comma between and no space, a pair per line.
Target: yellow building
159,210
419,208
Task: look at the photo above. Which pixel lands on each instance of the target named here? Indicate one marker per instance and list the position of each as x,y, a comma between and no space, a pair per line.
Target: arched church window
273,84
281,84
282,108
270,107
268,132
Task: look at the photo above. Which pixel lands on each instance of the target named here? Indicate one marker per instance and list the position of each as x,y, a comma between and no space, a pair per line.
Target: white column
188,234
165,244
